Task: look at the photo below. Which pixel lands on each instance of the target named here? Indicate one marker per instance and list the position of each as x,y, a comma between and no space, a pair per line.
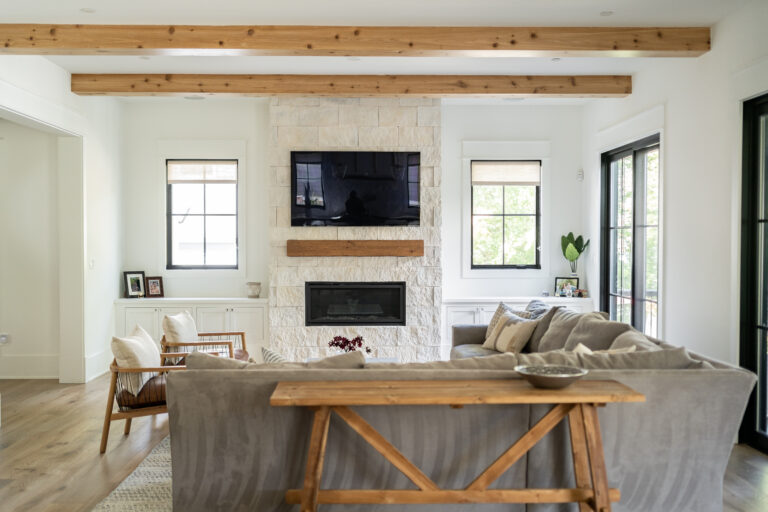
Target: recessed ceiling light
606,13
88,10
556,59
194,97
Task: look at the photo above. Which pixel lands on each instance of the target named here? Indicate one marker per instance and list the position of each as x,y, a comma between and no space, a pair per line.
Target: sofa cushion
138,350
560,327
583,349
595,332
471,350
669,359
635,338
541,328
203,361
537,308
179,327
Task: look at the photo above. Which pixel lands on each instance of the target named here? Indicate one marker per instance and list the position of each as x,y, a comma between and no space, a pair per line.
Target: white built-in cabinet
211,315
479,311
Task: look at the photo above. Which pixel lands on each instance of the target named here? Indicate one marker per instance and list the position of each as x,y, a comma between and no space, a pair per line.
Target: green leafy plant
572,248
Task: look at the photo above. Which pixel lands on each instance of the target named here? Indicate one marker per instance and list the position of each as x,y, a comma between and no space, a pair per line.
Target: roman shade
202,171
506,172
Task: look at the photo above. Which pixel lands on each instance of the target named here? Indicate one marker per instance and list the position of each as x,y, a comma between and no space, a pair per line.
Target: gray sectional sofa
231,451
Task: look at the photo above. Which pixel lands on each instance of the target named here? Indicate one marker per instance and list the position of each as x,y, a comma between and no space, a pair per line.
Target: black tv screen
354,188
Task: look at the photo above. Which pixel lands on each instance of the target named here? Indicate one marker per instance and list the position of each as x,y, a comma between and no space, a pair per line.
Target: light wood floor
49,451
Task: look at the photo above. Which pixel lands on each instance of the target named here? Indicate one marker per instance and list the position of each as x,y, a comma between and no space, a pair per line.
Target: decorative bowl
550,376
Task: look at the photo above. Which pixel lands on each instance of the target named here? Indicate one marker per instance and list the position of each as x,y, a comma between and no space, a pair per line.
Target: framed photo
154,286
134,284
566,286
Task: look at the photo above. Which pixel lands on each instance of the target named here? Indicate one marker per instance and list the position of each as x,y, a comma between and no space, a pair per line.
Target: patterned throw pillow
504,308
272,357
509,335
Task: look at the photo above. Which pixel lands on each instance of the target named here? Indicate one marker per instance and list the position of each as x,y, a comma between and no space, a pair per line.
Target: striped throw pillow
272,357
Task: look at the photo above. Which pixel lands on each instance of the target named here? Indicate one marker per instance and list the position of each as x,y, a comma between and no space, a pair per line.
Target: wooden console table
578,402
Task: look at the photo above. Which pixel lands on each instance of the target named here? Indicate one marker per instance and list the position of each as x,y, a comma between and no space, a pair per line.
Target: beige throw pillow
500,310
511,333
138,350
179,327
346,361
514,336
635,338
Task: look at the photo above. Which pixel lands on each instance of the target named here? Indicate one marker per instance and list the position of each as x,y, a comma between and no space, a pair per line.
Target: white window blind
202,171
506,173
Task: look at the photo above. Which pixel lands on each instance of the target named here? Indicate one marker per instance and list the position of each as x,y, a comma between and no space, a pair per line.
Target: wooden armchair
209,342
151,398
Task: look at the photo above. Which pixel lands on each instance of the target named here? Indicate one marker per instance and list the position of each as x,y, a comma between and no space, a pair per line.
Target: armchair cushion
179,327
151,394
135,351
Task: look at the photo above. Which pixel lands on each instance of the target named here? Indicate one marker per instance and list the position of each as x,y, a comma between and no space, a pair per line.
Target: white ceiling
373,12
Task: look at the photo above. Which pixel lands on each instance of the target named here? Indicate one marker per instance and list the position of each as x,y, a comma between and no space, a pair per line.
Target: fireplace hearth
344,303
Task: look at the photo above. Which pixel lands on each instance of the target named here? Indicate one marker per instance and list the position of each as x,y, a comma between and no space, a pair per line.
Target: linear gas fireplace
381,303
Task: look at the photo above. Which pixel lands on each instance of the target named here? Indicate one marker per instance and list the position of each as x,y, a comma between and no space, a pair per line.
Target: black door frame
752,355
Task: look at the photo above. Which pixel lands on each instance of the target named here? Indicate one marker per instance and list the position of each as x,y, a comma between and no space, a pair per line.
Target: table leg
315,458
596,458
579,451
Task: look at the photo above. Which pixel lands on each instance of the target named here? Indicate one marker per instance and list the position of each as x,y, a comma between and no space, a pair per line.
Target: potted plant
572,248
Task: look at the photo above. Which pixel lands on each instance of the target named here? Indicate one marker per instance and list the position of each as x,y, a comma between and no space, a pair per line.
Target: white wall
560,127
701,168
152,125
33,89
29,284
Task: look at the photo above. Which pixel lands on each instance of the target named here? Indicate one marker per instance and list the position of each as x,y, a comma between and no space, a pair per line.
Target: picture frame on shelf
134,284
565,286
154,287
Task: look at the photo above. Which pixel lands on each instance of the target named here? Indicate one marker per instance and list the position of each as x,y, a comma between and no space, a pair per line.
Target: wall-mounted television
355,188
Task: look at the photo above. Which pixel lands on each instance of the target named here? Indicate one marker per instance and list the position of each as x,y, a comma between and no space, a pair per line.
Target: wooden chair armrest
239,333
159,369
196,343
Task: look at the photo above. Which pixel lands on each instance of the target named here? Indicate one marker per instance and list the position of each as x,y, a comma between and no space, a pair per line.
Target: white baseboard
29,366
97,364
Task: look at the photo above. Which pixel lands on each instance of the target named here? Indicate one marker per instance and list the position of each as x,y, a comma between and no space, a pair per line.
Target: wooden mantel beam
353,85
284,40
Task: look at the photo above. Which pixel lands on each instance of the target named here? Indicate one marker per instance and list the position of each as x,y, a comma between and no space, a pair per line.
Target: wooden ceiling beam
201,40
352,85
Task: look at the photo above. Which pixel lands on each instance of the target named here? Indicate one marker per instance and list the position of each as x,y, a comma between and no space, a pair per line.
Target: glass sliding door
630,243
754,268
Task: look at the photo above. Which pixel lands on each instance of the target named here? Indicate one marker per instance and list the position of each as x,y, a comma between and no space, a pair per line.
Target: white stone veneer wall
352,124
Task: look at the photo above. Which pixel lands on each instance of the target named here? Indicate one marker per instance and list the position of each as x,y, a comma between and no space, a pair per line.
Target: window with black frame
630,227
506,214
201,214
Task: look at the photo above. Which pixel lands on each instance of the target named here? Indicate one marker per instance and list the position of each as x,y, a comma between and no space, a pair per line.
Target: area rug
148,488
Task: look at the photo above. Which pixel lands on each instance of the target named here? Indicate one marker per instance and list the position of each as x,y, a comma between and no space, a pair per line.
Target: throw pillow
179,327
271,357
347,360
138,350
515,335
583,349
502,321
500,310
560,327
634,338
595,332
203,361
537,308
541,329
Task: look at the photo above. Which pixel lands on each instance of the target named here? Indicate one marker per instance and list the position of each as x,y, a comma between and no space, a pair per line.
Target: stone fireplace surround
355,124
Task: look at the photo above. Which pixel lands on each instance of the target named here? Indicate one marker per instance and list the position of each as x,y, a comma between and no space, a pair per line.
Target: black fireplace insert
334,303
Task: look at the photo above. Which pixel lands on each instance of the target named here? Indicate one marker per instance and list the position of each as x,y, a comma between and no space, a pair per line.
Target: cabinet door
163,312
212,319
485,313
251,321
145,317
